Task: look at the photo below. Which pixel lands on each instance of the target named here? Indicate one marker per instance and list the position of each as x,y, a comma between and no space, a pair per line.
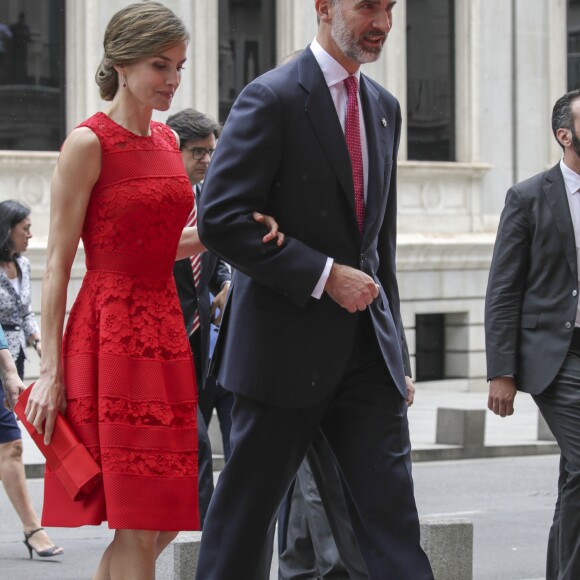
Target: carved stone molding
26,177
423,252
440,197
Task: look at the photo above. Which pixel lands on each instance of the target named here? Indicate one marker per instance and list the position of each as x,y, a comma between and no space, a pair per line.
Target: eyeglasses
198,153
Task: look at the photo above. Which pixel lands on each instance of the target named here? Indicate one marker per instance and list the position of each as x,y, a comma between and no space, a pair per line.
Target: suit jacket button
574,292
568,325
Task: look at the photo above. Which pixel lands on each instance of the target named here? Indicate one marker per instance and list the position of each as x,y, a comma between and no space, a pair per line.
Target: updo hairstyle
139,31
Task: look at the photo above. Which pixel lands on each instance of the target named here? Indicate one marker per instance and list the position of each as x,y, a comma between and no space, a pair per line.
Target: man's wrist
321,285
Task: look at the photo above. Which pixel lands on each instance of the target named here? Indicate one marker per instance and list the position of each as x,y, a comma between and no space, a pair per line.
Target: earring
124,80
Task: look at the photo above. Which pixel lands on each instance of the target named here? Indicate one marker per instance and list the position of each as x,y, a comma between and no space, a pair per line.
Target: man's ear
564,136
322,7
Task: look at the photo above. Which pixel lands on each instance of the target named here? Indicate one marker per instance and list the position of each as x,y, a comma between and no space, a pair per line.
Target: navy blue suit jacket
283,152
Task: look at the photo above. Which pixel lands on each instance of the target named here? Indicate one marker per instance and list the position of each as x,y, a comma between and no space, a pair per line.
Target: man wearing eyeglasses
195,278
196,157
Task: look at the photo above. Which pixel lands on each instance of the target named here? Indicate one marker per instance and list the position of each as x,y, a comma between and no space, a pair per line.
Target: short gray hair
192,125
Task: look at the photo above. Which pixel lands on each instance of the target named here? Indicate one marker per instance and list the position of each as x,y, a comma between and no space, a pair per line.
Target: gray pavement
510,501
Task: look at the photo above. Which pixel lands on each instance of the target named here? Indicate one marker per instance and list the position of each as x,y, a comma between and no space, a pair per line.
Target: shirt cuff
319,288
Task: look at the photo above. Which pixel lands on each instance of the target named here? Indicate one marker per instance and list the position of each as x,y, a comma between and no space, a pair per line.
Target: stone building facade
476,80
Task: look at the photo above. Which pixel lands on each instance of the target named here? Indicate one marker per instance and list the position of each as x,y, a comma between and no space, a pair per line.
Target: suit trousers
204,453
204,468
211,395
214,396
560,407
315,536
365,423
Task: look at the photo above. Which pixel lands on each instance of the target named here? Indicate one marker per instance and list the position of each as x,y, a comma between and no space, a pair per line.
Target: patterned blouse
15,310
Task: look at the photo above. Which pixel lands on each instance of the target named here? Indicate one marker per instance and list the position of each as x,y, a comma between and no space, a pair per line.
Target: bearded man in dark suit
311,336
197,140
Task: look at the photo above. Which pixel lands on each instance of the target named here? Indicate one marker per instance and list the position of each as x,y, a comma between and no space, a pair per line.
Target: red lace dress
128,369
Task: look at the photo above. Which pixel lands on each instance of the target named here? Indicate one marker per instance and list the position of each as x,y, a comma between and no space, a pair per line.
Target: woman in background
21,329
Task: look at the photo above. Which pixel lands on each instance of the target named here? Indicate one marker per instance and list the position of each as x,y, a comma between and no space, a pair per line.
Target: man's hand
218,303
410,390
502,392
350,288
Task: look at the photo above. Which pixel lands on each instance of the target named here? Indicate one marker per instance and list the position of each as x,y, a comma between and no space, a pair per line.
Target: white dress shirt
334,75
572,183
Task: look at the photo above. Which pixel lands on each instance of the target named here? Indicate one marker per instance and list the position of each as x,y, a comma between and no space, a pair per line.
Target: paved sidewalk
84,546
504,436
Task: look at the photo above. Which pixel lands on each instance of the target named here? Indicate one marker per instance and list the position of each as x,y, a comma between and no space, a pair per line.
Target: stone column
295,25
199,84
532,94
556,18
391,69
84,39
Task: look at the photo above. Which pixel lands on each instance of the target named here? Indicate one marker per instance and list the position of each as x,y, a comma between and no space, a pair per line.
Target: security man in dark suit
532,319
197,135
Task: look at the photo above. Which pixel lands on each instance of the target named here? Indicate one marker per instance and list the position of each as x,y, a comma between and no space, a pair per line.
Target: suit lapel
185,263
322,114
187,271
206,255
377,135
556,196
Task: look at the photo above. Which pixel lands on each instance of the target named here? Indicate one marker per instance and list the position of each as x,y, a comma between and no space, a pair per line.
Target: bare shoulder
80,156
82,138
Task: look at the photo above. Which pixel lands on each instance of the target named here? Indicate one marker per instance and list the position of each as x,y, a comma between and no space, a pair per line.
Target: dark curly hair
562,116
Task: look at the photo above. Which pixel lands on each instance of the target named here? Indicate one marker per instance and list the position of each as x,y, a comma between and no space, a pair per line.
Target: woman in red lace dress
123,372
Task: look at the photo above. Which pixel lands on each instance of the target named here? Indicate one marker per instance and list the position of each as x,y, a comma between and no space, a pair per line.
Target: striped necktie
195,262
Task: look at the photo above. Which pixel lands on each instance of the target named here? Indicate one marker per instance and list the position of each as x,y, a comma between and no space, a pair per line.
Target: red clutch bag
66,455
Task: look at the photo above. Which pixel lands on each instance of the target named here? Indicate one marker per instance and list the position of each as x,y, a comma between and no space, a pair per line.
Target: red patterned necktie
352,134
195,262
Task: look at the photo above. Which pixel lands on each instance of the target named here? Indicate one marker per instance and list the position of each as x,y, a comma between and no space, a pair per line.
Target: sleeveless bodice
128,368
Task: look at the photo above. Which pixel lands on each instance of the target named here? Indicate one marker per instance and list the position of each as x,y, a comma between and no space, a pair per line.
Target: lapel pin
383,122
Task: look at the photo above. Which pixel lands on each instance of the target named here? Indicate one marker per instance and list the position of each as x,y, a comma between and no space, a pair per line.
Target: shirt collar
571,179
332,70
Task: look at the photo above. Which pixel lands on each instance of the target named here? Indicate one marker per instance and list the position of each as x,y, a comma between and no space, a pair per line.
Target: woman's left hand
272,225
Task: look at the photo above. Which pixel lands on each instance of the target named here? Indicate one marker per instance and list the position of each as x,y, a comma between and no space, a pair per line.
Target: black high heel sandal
47,553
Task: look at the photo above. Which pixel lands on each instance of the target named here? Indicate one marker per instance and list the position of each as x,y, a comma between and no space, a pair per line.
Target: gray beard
348,44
